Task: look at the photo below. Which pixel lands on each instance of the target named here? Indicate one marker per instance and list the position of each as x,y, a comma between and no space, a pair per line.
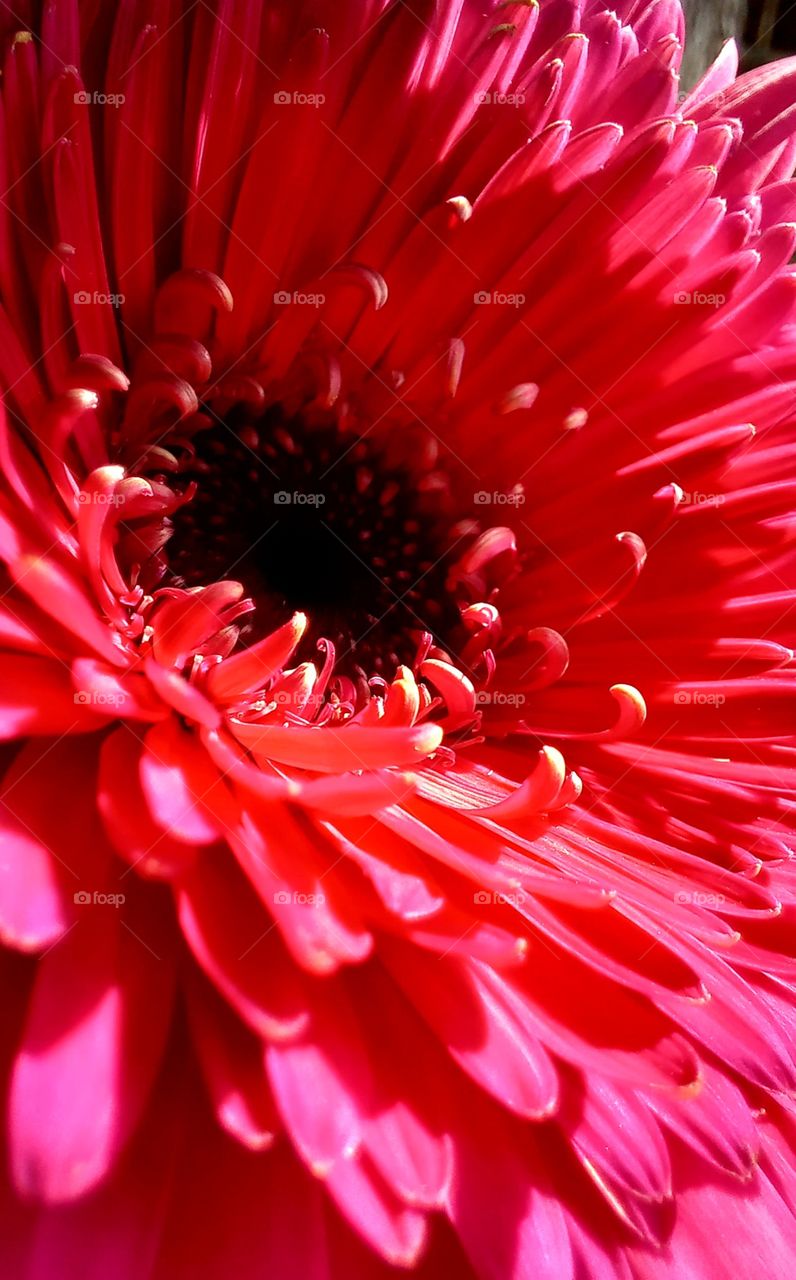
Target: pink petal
95,1033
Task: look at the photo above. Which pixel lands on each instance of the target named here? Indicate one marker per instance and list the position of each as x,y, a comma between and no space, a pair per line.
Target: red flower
397,477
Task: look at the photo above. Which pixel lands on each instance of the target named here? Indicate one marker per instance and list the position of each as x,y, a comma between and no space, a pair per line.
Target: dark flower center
312,519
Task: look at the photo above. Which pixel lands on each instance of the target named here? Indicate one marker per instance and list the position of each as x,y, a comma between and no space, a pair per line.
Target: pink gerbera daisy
398,462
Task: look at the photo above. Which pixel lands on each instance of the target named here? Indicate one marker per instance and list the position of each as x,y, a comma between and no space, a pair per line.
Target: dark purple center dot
311,519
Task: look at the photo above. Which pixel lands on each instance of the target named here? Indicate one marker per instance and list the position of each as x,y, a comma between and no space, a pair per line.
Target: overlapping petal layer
461,938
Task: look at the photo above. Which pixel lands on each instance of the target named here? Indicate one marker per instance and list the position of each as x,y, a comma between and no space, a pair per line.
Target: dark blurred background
765,29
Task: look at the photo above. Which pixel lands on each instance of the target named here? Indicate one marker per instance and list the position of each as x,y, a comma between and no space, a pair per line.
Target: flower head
397,474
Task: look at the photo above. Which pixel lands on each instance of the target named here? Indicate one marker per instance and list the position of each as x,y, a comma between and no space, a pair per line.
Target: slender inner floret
311,518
